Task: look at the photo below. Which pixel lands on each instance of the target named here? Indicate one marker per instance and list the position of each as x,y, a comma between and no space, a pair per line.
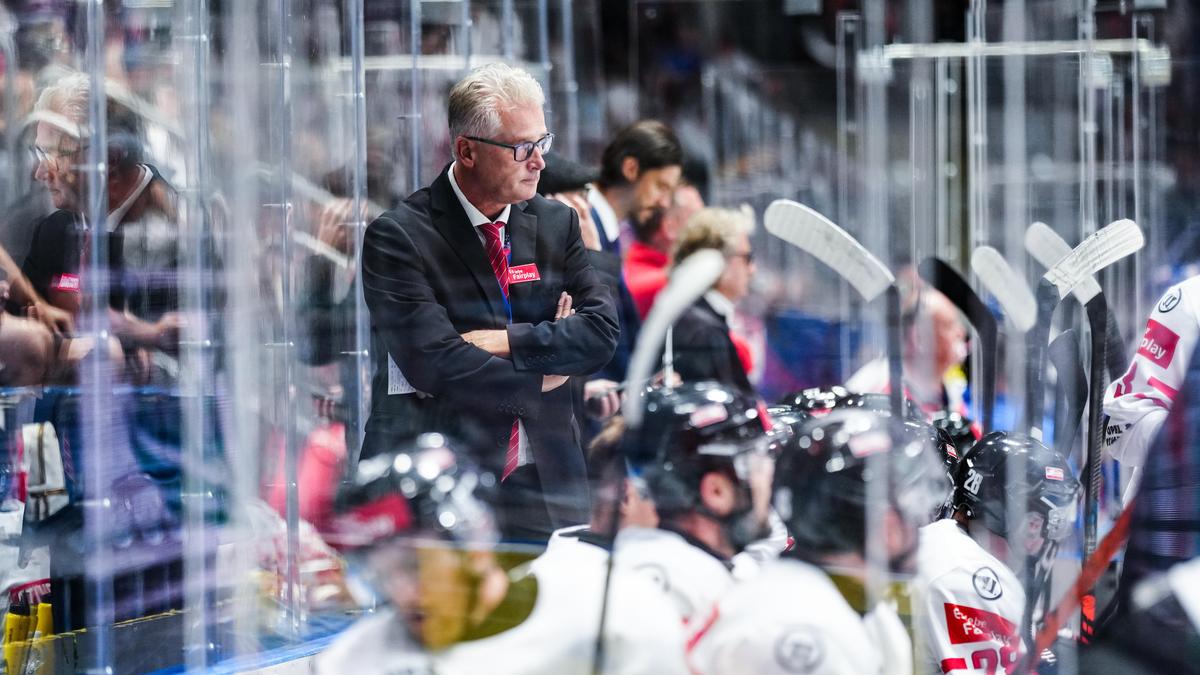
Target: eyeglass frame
53,157
548,139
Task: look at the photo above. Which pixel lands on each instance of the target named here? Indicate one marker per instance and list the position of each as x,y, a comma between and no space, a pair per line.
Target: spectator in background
703,345
466,282
648,259
568,182
935,345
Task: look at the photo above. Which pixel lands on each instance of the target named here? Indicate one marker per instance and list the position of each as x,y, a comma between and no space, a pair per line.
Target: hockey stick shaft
1093,568
1097,312
950,283
895,354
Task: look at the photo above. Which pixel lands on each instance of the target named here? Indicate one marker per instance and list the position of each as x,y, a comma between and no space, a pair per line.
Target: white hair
67,96
475,103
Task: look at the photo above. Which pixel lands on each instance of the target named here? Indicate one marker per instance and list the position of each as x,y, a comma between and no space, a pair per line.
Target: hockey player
416,522
1137,403
807,612
704,453
968,603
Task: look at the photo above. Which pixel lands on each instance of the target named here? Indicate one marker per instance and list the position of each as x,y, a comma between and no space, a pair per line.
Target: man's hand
552,382
565,301
494,342
601,398
587,227
56,320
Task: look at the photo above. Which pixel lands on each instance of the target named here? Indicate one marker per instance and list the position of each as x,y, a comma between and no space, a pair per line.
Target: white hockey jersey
377,644
1138,403
644,635
967,605
790,618
690,576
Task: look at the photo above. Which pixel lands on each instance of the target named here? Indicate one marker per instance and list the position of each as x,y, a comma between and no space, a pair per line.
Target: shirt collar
604,210
473,214
720,304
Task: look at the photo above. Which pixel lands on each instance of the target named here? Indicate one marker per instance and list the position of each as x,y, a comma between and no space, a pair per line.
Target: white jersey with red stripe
967,605
790,618
874,378
691,577
1138,403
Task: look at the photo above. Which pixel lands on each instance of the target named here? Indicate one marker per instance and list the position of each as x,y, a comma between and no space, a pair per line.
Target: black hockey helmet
692,430
1049,489
821,483
423,489
959,431
817,402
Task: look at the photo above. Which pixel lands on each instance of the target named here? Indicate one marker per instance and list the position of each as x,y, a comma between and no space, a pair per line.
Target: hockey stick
1091,571
1047,247
689,281
818,236
1008,287
1106,246
939,274
1071,388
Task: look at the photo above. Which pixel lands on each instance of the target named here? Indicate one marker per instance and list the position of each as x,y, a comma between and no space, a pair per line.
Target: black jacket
704,350
427,279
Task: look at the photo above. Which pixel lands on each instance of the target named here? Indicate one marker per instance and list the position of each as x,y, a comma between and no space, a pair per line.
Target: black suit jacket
704,350
427,279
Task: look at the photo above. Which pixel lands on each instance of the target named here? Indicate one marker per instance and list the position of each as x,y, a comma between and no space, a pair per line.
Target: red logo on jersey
1158,344
967,625
522,273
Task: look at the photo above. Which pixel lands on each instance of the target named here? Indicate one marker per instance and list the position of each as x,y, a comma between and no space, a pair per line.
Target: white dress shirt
477,218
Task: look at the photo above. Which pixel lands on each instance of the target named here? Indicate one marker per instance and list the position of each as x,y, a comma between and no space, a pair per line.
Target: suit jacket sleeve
577,345
419,335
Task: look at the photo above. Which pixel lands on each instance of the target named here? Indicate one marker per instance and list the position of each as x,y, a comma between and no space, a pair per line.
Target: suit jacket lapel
522,232
451,221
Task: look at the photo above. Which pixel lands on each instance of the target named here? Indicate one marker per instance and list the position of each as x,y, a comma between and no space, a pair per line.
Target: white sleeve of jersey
958,638
890,638
1138,403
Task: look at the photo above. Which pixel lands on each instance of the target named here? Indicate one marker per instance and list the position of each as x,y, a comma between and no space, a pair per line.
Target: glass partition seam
281,111
195,387
570,114
362,335
244,339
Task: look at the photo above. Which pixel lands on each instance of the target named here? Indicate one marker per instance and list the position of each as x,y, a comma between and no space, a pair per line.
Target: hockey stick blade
812,232
1103,248
690,280
1048,247
1009,289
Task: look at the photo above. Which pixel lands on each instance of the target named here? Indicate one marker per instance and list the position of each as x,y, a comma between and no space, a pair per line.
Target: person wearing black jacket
704,348
465,282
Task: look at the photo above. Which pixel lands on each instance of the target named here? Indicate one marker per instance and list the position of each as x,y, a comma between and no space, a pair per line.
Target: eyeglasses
521,151
52,157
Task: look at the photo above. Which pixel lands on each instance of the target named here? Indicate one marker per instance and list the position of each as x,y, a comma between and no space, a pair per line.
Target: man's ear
631,169
464,151
716,493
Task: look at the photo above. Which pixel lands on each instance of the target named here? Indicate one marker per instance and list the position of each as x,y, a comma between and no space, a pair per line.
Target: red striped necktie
498,257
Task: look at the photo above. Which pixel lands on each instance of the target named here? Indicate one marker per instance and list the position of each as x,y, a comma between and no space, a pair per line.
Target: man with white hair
483,304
